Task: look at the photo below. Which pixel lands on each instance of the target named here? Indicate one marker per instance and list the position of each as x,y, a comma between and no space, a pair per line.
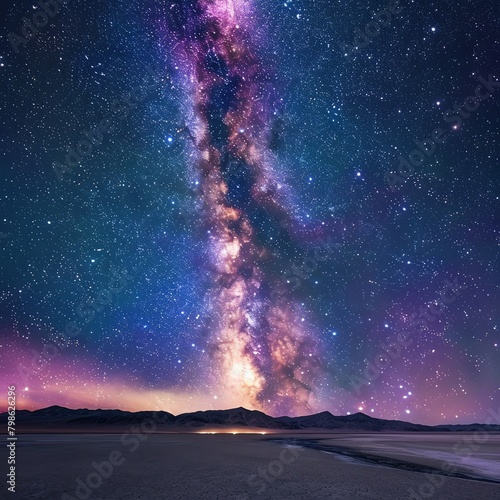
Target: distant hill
60,419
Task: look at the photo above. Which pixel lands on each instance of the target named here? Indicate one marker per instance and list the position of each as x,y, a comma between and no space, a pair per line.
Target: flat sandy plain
246,466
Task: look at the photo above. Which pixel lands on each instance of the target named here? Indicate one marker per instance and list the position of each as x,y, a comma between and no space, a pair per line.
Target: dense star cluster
289,206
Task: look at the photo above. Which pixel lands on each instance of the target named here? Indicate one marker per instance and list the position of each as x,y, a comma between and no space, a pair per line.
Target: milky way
262,350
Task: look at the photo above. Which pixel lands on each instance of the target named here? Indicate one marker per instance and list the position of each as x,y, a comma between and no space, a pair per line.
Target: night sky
216,203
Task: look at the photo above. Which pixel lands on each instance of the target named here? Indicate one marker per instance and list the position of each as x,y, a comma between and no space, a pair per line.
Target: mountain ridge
67,419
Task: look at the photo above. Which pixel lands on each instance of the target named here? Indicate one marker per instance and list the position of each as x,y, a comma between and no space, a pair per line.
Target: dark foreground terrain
137,464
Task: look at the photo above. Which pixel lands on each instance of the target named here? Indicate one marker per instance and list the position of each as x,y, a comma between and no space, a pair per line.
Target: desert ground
140,465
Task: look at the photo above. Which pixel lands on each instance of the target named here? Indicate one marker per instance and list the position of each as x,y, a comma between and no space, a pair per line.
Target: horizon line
2,411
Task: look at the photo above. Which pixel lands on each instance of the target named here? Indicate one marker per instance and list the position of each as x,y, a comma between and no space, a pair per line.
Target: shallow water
467,455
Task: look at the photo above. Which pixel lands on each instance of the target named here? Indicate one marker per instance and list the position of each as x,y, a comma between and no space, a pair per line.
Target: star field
212,195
